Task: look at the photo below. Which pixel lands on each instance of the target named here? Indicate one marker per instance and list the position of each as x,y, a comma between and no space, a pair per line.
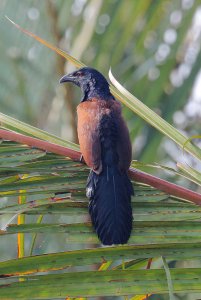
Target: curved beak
67,78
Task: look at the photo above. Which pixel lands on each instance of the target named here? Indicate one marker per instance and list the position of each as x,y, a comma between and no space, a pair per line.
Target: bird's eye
80,74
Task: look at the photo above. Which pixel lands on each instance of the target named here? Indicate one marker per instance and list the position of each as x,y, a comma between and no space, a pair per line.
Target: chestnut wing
88,134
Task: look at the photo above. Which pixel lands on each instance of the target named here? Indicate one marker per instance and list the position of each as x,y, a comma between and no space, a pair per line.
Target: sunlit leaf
151,117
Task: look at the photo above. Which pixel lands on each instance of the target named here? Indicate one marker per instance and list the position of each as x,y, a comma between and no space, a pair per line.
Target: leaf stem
161,184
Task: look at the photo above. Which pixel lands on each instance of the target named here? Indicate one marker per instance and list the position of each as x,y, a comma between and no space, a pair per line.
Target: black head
91,82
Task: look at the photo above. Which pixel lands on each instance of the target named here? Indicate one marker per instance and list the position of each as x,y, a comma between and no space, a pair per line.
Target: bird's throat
96,92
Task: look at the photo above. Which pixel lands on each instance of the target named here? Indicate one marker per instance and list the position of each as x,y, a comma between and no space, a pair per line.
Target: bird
106,149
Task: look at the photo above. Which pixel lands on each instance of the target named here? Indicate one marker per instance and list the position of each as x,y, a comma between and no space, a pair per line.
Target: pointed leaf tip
57,50
111,75
16,25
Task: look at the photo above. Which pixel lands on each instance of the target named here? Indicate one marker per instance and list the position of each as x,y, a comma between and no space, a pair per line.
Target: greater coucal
106,149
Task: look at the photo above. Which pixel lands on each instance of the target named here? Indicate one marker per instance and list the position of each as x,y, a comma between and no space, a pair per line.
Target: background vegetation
153,48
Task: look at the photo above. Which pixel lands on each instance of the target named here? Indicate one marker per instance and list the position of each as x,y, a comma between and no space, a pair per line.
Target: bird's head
91,82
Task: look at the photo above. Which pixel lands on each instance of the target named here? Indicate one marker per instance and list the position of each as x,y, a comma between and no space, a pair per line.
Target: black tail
110,205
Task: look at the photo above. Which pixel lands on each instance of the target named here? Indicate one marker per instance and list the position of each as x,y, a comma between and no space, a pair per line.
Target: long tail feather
110,205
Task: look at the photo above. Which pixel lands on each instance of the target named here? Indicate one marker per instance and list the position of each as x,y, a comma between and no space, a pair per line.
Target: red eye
80,74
